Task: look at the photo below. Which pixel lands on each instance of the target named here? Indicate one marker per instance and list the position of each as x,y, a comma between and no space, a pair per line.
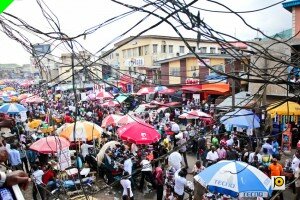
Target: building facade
139,57
86,70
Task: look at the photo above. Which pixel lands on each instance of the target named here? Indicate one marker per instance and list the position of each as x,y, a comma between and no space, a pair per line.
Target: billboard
41,49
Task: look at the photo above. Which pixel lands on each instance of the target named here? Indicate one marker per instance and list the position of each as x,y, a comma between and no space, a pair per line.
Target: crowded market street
149,100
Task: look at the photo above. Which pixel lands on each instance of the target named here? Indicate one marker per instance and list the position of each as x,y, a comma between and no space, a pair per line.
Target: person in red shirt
49,177
159,181
68,118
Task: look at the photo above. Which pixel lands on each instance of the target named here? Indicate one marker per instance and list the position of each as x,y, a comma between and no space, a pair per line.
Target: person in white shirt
146,172
180,183
212,156
126,184
128,164
296,161
85,149
37,188
256,153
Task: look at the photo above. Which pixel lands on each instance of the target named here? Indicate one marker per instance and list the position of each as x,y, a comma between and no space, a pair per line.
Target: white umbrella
101,153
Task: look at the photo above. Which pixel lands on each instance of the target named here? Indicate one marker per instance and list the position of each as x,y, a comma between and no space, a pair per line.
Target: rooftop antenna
257,38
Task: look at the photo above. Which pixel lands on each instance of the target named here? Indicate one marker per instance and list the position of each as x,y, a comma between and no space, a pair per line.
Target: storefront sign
134,62
192,81
203,62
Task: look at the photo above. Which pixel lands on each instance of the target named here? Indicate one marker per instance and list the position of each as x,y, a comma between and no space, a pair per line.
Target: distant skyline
76,15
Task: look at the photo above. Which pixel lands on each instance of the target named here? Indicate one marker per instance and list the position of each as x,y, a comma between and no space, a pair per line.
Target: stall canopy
121,98
287,108
241,99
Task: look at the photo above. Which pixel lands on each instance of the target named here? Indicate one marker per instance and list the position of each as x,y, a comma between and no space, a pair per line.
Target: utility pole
264,95
232,67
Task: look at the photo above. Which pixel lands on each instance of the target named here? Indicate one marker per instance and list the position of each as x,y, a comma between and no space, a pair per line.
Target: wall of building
174,67
141,52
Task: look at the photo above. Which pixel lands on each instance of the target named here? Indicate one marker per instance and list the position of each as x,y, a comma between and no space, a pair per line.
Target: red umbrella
50,144
110,104
139,133
127,119
110,120
104,95
167,91
146,90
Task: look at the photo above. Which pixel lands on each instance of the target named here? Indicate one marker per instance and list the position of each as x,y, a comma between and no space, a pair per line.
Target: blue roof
290,4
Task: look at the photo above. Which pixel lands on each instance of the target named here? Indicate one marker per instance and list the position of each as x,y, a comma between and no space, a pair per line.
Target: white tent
241,99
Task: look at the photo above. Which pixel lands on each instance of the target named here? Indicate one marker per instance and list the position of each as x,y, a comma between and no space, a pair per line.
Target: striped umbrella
110,120
235,178
104,95
194,114
12,108
84,131
146,90
110,104
127,119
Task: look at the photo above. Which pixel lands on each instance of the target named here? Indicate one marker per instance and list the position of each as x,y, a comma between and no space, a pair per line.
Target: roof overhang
290,4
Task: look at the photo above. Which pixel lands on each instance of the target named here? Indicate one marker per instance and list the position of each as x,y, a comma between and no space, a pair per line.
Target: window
134,52
203,49
221,51
124,53
212,50
175,71
163,48
155,48
220,68
146,49
170,48
141,51
195,71
193,49
181,49
128,53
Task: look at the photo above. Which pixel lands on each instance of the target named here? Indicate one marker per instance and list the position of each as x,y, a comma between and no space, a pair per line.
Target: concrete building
139,56
81,59
282,51
191,75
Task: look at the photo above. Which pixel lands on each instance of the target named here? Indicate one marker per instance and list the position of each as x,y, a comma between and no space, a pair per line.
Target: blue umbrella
241,118
12,108
160,88
236,179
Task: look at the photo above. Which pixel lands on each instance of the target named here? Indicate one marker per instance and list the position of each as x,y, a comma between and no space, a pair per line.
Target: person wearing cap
127,190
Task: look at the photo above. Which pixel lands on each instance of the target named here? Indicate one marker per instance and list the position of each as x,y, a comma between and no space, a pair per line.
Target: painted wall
174,79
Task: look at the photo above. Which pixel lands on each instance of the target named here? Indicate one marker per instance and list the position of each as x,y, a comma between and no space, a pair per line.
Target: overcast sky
77,15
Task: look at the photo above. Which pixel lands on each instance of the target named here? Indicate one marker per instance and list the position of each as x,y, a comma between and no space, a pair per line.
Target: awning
217,87
213,87
121,98
192,88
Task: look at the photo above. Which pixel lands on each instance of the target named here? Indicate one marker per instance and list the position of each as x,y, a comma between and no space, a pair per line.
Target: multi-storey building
139,56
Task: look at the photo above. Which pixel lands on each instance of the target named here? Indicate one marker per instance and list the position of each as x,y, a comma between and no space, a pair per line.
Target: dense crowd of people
207,142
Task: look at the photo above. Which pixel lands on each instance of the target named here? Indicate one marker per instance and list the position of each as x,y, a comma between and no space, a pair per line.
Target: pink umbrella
110,120
127,119
110,104
50,144
167,91
92,96
139,133
195,114
146,90
104,95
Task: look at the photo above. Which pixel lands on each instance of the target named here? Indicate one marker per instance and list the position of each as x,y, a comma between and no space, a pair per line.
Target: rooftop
161,37
290,4
191,55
